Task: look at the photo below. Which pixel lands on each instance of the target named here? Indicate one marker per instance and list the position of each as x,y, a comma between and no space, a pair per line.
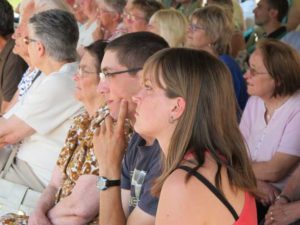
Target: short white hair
44,5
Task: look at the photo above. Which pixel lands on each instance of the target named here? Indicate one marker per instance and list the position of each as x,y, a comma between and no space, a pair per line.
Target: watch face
102,183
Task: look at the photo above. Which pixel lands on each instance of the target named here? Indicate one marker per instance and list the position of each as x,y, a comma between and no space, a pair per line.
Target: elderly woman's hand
270,192
110,143
98,34
38,217
283,214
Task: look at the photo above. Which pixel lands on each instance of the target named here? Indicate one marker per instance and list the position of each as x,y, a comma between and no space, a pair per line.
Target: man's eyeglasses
130,17
194,27
28,40
104,75
254,73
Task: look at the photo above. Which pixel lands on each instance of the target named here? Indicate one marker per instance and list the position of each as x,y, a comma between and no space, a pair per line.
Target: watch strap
104,183
111,183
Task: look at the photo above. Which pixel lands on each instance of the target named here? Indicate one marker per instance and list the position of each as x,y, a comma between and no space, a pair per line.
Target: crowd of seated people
128,103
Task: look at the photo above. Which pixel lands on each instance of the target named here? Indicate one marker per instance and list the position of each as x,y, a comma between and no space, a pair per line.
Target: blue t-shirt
239,84
141,166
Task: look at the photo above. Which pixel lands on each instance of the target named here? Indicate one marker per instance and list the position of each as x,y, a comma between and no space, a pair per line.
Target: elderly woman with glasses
71,196
211,30
110,19
271,121
137,13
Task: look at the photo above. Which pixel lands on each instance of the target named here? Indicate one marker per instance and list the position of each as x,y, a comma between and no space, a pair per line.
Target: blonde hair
172,26
217,25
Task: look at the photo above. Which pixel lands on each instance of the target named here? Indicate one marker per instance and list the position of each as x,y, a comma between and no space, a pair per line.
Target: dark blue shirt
141,166
239,84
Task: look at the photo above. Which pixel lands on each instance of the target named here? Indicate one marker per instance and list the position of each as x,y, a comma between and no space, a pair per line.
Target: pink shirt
281,134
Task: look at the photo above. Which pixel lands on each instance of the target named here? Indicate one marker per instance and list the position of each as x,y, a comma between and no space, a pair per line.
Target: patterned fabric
26,81
120,30
76,158
13,219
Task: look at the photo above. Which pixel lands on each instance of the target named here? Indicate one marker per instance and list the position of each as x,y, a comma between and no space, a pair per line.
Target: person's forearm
47,199
292,188
265,171
70,220
67,212
4,106
111,210
296,210
75,207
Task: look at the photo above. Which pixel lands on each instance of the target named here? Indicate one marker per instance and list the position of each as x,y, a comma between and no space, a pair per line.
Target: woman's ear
178,108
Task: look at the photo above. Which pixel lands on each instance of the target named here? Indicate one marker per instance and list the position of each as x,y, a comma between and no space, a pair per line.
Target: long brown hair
209,121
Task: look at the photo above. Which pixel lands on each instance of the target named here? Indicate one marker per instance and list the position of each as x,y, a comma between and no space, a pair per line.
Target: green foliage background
14,3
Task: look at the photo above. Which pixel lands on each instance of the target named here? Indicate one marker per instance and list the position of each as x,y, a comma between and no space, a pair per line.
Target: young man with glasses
132,203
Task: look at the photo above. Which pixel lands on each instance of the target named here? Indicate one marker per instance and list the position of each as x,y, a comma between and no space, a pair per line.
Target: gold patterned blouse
77,156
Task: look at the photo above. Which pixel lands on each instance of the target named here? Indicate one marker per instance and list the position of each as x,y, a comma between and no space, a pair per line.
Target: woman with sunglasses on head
271,121
190,108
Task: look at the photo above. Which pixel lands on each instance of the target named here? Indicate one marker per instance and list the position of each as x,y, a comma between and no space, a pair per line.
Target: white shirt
86,34
48,108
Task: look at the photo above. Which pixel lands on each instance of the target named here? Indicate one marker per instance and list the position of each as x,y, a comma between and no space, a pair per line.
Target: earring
171,119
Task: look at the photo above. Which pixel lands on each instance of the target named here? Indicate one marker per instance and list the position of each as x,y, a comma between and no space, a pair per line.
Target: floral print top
77,156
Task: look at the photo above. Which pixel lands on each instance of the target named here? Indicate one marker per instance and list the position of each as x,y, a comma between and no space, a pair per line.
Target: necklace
270,110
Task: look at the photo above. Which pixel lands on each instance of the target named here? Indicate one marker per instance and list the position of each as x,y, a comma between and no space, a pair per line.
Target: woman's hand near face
110,143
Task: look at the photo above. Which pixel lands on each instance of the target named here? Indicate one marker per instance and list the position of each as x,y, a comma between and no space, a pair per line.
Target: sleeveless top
248,215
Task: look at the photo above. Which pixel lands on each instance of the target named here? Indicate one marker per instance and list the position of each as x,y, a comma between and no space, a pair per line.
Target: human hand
283,214
98,33
38,218
110,143
269,191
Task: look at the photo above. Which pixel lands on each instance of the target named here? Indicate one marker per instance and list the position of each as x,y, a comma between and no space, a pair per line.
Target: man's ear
273,13
41,49
178,108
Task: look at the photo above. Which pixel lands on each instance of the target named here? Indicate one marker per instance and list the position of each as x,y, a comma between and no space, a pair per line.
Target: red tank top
248,216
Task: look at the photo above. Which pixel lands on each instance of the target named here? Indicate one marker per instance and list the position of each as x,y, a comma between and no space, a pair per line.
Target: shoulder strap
212,188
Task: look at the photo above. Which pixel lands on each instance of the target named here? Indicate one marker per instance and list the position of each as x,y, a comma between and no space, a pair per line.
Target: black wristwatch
103,183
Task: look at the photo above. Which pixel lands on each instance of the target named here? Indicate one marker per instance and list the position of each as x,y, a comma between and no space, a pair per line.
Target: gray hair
43,5
115,5
58,31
